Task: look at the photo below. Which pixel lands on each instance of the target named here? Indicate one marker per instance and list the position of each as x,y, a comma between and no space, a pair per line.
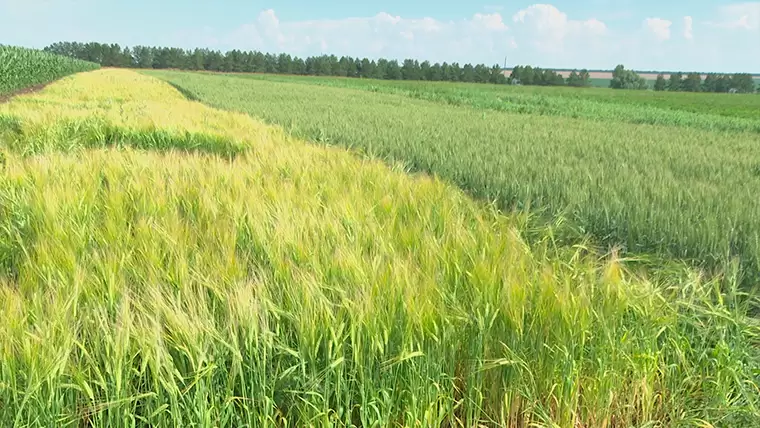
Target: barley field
166,263
682,187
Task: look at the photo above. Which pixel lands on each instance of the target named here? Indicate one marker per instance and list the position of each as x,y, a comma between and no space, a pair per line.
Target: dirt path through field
36,88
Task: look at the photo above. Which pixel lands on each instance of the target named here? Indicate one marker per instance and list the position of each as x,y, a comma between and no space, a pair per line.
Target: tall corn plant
22,68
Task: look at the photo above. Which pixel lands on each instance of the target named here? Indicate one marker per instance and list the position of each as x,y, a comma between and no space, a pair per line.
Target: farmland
671,108
21,68
371,256
674,187
602,79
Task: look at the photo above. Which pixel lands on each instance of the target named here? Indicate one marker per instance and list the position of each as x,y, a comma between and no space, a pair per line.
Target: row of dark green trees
527,75
113,55
692,82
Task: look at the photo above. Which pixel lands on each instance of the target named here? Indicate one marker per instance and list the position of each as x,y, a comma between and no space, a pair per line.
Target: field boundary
4,98
649,75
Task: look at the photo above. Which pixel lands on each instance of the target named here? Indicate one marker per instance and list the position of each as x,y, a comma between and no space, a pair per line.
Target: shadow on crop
185,92
91,133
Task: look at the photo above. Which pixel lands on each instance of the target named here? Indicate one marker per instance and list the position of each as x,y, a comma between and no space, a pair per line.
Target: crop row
738,112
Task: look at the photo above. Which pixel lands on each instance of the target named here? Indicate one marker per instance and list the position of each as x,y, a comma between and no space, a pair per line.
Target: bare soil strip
36,88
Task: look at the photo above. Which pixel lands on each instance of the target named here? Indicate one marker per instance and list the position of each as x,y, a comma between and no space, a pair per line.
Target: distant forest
113,55
258,62
692,82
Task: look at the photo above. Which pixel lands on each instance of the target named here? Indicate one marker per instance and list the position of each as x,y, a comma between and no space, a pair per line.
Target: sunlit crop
168,264
676,190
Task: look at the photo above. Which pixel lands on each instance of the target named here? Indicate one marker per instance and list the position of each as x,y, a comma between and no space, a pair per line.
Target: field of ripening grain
670,182
165,263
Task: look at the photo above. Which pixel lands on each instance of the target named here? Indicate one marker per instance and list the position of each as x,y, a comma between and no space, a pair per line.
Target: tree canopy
582,79
627,79
258,62
660,84
675,82
740,82
113,55
692,83
528,75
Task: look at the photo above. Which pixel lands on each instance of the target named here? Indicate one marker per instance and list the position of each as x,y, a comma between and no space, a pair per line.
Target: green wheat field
193,249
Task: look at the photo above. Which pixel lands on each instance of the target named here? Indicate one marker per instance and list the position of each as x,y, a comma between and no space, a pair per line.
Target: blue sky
703,35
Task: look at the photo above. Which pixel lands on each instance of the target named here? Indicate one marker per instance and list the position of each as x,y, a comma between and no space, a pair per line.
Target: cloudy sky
701,35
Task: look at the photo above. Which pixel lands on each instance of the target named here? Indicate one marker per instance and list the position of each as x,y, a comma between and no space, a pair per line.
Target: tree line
714,82
690,82
113,55
527,75
149,57
627,79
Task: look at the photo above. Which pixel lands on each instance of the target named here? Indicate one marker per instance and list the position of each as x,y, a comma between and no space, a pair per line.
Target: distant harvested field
648,76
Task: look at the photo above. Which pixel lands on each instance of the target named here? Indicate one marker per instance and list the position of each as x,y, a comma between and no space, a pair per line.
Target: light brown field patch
648,76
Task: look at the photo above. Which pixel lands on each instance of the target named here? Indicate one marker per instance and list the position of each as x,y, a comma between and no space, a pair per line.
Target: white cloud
481,38
745,16
490,22
731,38
659,27
595,27
688,27
541,31
546,20
540,34
550,32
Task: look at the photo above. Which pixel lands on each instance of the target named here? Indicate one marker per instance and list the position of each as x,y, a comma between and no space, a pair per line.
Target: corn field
21,68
